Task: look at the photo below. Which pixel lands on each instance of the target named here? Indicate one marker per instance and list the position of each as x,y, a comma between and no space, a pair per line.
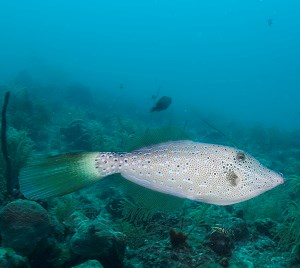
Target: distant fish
121,86
270,22
202,172
223,230
162,104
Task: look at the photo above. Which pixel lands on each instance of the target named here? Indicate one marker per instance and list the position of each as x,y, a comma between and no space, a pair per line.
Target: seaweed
288,234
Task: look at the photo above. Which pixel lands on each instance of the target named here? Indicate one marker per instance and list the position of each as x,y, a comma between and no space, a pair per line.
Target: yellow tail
59,175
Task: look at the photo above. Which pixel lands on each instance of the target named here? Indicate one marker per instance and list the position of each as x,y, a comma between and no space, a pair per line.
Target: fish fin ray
58,175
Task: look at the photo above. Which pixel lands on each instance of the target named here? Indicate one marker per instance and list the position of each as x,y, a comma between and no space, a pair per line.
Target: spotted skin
204,172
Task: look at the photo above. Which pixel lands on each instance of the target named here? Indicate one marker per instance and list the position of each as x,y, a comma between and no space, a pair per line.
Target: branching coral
64,207
135,234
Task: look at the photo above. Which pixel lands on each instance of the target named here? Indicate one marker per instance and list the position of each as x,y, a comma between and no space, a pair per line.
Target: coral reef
94,239
23,225
112,224
220,243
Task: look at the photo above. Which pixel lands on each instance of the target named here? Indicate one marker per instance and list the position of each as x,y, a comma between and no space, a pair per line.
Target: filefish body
204,172
207,173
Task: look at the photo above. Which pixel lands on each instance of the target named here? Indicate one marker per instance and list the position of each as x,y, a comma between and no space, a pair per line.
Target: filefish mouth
270,181
277,179
281,179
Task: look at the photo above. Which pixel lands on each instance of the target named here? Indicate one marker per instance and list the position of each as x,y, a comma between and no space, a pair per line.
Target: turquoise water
83,76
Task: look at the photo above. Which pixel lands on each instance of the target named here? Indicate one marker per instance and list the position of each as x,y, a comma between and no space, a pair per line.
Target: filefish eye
240,156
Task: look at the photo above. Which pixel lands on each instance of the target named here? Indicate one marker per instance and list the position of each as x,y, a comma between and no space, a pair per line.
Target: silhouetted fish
162,104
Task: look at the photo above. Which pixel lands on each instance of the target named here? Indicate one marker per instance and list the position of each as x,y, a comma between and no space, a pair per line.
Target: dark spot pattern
232,178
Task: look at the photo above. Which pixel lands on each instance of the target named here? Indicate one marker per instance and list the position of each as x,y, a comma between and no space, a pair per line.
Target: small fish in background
223,230
121,86
209,173
162,104
270,22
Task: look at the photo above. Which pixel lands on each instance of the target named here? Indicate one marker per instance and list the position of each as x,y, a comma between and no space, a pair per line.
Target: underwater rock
177,239
115,206
9,258
75,220
239,213
51,253
23,224
264,226
57,228
239,229
97,240
264,244
89,264
220,243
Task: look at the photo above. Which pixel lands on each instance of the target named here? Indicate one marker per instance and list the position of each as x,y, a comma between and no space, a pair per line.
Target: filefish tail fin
58,175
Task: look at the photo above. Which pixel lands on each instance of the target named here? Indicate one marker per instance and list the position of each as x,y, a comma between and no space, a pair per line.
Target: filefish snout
269,180
264,178
248,178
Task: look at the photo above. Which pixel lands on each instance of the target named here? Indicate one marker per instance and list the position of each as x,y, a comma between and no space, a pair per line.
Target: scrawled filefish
203,172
